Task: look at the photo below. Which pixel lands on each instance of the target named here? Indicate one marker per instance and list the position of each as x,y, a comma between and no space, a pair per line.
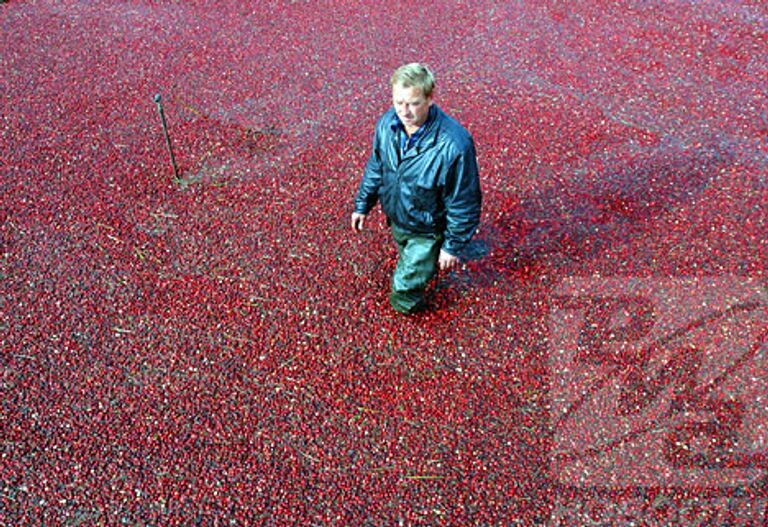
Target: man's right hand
358,221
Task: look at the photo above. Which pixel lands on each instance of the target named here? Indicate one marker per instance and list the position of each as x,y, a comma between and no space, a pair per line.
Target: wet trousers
416,266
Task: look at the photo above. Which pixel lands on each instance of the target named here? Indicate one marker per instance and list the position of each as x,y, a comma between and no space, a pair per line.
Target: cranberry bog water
212,345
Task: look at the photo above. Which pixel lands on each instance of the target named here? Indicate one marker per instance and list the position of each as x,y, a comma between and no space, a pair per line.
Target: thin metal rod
158,100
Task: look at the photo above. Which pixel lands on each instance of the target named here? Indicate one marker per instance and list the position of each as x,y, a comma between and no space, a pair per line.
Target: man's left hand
446,261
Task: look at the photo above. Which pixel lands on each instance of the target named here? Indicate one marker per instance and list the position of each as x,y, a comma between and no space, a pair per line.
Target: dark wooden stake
158,100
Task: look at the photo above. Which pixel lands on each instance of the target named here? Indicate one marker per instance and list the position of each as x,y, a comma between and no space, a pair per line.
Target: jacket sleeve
368,190
463,201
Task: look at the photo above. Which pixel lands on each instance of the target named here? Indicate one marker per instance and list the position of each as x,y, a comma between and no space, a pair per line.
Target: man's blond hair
414,75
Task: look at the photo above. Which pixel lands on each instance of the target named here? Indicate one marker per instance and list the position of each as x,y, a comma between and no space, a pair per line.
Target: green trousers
415,268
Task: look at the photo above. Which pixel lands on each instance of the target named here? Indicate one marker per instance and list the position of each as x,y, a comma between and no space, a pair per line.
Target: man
423,170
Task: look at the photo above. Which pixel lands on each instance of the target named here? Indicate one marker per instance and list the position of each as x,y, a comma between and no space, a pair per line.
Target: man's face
411,105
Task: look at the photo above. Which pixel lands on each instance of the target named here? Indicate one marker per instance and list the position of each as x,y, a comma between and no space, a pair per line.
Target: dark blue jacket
433,189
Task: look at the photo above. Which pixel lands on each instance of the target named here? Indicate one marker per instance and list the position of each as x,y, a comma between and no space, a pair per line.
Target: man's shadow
567,221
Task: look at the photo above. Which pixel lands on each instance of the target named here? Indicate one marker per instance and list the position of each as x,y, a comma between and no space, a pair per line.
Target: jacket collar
427,130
